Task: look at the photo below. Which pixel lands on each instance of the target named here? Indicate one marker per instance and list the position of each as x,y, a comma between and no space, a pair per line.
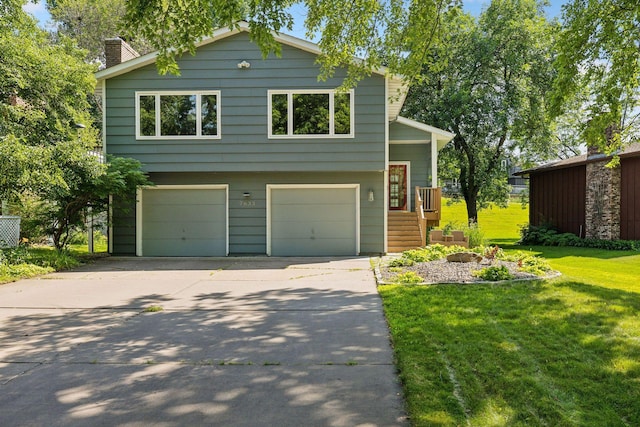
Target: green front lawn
562,352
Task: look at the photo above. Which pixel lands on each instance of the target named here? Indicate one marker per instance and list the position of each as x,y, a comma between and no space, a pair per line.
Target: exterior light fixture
244,65
371,198
246,195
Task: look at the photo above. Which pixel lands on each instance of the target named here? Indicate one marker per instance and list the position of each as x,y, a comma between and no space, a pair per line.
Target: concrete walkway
239,342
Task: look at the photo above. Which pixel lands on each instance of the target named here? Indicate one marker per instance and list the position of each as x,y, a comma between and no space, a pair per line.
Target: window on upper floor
310,114
178,115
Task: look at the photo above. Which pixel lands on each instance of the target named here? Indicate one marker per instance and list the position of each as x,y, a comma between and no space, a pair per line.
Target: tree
90,22
45,89
65,208
599,49
488,82
397,32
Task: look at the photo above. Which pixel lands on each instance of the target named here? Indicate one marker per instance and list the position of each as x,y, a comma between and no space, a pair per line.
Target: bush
474,234
493,274
547,236
429,253
408,278
534,265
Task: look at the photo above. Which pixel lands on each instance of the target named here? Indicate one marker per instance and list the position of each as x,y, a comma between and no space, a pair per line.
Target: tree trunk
471,198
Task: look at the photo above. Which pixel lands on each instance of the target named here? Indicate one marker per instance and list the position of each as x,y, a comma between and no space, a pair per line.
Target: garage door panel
173,247
331,213
167,230
313,221
321,195
327,229
183,213
184,222
320,247
184,196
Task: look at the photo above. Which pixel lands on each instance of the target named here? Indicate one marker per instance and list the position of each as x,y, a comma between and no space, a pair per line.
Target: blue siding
420,157
244,145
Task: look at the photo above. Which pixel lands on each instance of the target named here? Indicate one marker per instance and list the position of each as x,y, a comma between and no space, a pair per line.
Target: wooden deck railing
422,220
429,199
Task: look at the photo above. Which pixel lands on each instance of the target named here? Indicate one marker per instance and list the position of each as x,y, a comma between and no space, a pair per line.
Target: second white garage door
313,220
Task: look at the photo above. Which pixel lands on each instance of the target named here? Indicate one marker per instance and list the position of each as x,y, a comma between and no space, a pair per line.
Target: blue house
256,156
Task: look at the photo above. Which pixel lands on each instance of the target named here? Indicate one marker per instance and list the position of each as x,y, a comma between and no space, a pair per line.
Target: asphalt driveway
239,342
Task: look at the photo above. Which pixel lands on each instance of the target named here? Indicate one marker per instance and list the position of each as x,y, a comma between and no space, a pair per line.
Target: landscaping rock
464,257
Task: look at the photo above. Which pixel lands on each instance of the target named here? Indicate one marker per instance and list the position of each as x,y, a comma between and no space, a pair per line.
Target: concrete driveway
239,342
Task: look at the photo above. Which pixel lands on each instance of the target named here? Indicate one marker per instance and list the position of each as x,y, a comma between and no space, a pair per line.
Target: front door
398,187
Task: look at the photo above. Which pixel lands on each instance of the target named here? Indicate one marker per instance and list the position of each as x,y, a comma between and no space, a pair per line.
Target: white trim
386,209
312,186
442,136
290,93
434,161
385,174
198,94
110,227
103,103
139,221
139,251
408,165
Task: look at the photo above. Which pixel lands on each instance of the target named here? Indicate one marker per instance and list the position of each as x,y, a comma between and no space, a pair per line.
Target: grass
560,352
25,262
499,225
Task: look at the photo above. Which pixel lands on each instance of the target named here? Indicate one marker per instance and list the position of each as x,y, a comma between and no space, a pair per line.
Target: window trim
198,94
290,93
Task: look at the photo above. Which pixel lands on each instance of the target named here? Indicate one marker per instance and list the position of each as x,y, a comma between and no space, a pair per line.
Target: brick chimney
602,204
117,51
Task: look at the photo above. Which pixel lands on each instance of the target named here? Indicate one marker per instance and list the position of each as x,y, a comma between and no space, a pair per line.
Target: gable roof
397,88
632,150
442,136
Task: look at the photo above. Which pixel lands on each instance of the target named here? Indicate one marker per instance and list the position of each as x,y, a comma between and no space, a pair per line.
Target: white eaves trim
442,136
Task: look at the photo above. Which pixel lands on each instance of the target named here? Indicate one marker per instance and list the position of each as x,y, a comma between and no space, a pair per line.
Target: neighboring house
580,195
256,156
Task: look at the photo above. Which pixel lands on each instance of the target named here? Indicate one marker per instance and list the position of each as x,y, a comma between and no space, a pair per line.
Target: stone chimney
117,51
602,204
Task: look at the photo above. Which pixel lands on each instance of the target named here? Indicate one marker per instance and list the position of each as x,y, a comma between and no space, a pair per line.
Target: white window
310,114
178,115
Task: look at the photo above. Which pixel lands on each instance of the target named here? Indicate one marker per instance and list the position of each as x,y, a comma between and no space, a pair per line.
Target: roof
632,150
442,136
397,88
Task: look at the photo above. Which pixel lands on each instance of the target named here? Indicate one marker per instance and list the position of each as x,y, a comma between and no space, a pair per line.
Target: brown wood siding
630,199
557,197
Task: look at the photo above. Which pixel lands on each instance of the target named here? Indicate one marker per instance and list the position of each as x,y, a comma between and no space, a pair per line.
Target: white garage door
318,220
183,221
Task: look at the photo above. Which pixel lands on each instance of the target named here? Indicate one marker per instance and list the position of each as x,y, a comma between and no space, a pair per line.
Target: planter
9,231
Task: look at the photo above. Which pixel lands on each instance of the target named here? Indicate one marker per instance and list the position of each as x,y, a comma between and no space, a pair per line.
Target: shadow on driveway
297,343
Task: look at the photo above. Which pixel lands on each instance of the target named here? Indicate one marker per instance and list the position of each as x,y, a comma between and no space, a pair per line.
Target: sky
474,7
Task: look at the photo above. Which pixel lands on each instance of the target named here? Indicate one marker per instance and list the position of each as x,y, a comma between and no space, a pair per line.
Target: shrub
474,234
548,236
534,265
493,274
408,278
401,262
429,253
